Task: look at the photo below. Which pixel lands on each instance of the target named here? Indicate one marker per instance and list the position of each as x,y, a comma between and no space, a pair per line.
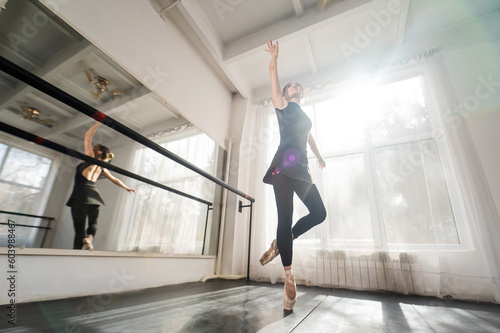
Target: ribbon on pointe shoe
287,302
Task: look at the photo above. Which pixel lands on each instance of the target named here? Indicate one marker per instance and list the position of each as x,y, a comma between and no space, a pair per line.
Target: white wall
235,237
156,53
45,274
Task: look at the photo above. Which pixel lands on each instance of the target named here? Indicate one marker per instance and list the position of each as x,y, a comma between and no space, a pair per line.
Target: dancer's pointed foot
290,296
270,254
87,244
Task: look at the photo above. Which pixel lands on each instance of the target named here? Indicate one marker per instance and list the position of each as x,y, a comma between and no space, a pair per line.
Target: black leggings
284,187
79,212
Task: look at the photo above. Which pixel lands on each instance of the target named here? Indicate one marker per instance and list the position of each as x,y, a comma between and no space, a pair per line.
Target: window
23,182
163,221
384,183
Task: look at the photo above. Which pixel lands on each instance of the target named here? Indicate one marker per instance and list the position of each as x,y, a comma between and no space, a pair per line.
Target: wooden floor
238,306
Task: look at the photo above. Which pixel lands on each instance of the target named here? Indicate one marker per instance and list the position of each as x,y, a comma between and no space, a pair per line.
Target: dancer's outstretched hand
273,49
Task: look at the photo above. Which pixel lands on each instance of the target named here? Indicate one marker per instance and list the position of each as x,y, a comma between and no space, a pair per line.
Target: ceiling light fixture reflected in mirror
101,85
33,114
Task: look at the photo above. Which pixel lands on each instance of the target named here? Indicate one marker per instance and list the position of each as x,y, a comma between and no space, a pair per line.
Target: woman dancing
289,174
85,198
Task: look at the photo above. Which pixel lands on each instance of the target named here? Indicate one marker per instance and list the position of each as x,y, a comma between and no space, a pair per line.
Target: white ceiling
314,43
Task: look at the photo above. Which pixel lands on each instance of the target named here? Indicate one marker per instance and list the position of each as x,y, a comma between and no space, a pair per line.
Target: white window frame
367,150
175,136
40,207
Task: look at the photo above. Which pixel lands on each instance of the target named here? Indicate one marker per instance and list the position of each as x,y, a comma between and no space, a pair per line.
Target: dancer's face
294,90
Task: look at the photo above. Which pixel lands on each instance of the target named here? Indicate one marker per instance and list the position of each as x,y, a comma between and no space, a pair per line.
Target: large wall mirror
35,180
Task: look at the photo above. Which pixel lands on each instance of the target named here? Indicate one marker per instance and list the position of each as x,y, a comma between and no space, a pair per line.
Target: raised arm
116,181
314,149
88,139
277,97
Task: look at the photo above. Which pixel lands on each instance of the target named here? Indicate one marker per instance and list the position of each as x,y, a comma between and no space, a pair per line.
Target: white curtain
465,267
477,274
162,221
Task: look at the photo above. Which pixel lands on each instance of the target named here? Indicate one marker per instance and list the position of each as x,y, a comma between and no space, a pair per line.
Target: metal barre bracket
240,206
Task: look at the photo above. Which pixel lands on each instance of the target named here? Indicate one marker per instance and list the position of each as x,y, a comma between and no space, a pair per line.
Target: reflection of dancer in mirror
289,174
85,198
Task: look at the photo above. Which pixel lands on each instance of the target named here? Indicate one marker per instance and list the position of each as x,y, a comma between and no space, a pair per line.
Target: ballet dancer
85,198
289,174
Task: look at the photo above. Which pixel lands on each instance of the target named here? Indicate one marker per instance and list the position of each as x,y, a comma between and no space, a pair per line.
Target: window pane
413,193
22,178
3,149
347,198
190,148
25,168
339,125
166,222
399,111
198,150
17,198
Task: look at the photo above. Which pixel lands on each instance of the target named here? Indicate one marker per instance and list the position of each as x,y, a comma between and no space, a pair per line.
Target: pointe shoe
287,302
270,254
87,244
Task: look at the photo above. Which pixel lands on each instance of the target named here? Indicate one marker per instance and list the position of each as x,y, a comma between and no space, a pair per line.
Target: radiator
377,271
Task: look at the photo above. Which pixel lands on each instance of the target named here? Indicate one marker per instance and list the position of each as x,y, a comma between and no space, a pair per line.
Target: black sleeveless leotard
84,190
291,157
